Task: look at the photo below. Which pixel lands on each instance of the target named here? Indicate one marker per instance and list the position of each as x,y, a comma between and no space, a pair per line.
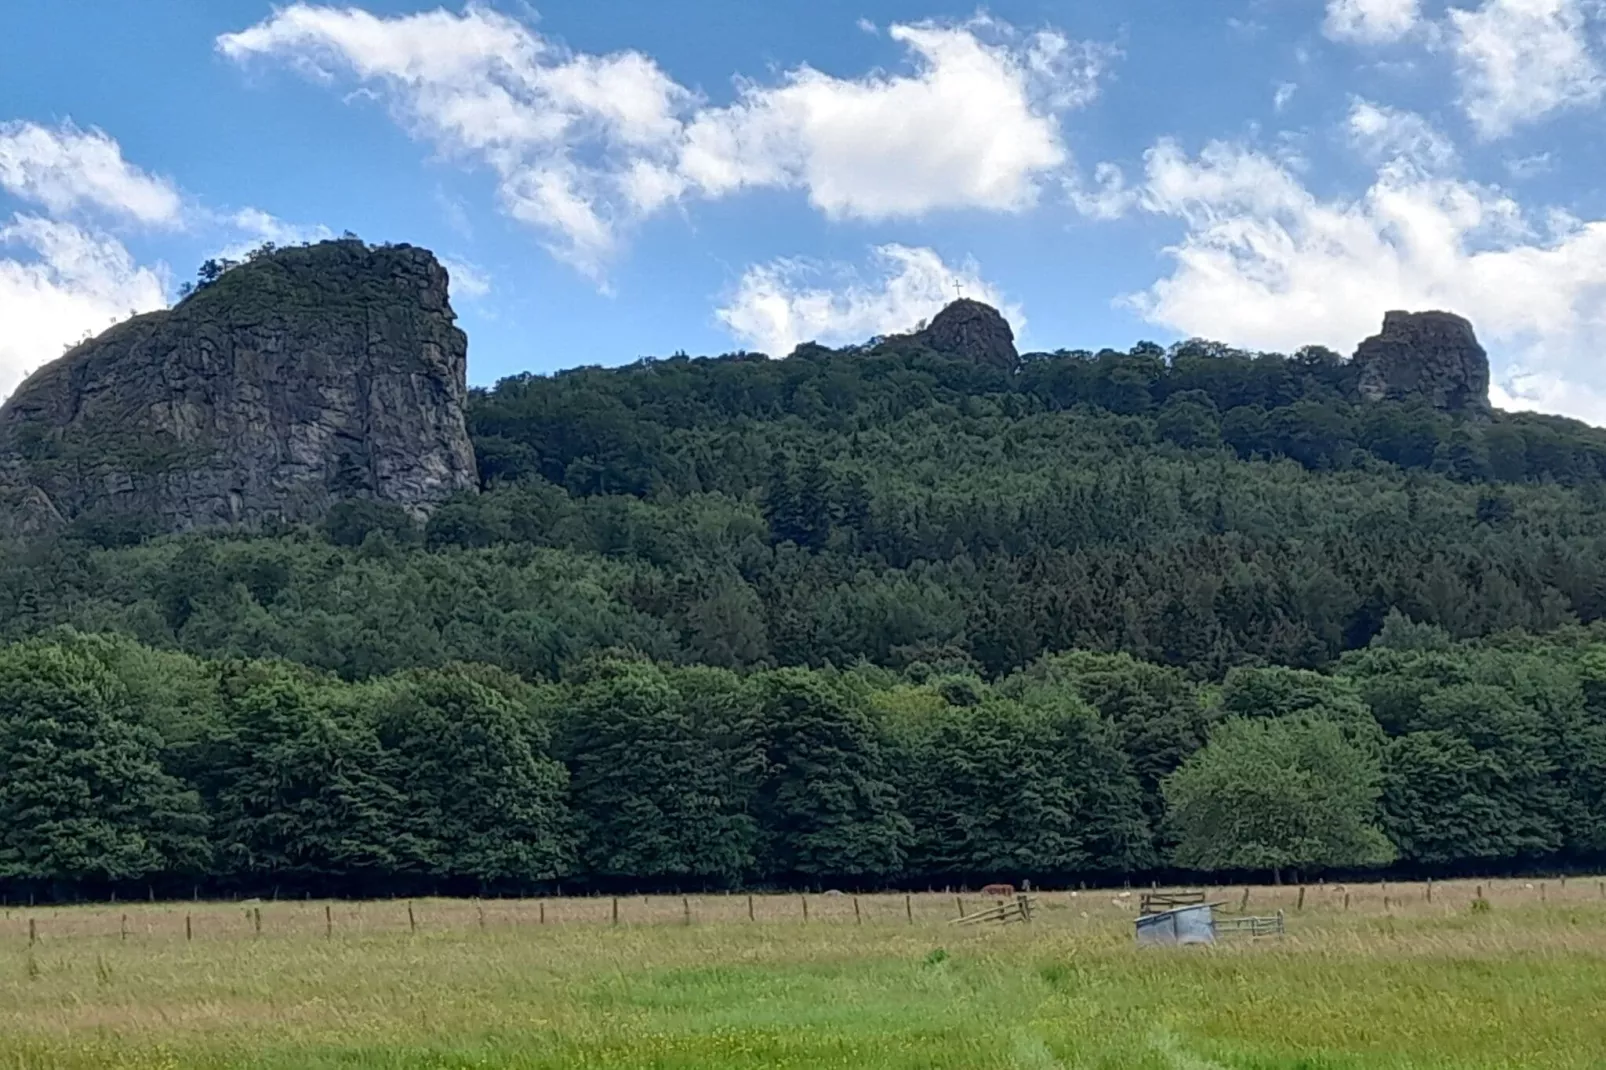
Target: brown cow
1002,891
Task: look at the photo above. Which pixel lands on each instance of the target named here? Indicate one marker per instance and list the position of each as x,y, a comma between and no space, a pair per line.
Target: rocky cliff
296,380
1432,356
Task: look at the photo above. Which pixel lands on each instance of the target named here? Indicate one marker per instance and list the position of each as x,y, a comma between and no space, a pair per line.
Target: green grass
1431,985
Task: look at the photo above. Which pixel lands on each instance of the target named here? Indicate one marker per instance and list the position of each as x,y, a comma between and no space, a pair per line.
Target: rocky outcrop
1430,356
971,329
296,380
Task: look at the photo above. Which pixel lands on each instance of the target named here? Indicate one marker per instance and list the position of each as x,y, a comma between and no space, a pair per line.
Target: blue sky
611,180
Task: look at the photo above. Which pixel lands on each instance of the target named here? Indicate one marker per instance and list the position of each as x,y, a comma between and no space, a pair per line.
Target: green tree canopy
484,799
1277,793
826,801
83,795
658,778
300,788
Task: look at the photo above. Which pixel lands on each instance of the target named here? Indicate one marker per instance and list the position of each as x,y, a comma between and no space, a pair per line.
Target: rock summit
1431,356
301,378
971,329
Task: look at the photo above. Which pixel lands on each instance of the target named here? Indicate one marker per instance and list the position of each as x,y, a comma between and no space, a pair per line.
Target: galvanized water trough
1196,923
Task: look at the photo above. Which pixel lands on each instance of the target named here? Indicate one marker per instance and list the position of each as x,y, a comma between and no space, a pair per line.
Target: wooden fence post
1430,890
33,932
542,907
1542,896
328,922
479,907
616,910
1243,904
858,919
749,908
959,904
909,908
1301,904
1346,901
412,922
189,933
805,900
124,928
256,919
685,903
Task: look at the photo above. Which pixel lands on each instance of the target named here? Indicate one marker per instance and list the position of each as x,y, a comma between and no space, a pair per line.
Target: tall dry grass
1394,980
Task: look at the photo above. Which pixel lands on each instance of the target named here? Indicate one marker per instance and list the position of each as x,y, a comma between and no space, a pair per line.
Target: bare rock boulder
297,380
972,329
1432,356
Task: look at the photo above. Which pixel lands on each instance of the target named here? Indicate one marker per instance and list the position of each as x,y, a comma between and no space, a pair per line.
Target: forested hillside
874,615
1196,508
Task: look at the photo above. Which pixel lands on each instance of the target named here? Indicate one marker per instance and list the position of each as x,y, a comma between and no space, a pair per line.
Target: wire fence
331,919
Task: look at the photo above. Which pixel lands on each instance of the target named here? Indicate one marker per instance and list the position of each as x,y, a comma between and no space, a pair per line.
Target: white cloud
966,130
1525,167
1265,263
483,86
1371,22
584,146
1382,133
469,281
1284,96
65,284
1109,197
66,168
781,304
1519,60
251,227
270,228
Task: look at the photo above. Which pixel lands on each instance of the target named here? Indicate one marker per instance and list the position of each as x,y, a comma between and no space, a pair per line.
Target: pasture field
1367,976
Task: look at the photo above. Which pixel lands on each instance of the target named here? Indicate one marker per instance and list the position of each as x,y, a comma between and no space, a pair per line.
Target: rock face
971,329
1432,356
296,380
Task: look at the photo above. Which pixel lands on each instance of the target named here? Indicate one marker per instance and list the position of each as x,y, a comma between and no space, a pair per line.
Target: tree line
127,770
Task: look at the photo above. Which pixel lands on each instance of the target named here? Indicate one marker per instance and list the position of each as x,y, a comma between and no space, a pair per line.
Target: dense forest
868,616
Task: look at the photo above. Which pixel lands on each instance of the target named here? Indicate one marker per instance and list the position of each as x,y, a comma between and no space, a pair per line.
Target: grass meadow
1367,976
